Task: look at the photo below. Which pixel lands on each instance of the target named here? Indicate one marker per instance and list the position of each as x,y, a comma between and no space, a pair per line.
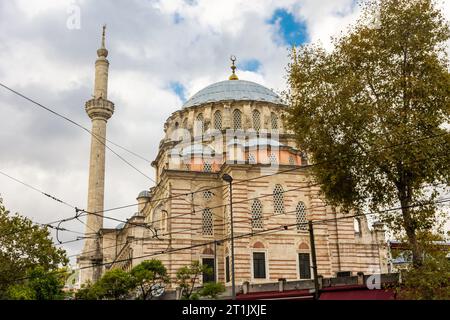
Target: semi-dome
233,90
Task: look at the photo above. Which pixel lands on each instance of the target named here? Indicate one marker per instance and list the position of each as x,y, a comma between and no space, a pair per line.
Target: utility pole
314,260
229,179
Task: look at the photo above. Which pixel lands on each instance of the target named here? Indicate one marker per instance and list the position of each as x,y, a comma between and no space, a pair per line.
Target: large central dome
233,90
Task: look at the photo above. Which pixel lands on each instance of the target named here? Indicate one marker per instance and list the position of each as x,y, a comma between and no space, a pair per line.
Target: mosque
232,191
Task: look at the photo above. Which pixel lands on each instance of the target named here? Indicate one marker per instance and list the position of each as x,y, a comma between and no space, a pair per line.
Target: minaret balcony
99,109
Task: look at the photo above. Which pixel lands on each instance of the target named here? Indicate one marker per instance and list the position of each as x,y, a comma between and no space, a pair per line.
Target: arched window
207,166
300,216
274,121
256,118
207,222
304,158
199,124
278,199
273,159
218,120
357,226
207,195
257,221
157,218
237,119
251,158
163,222
291,160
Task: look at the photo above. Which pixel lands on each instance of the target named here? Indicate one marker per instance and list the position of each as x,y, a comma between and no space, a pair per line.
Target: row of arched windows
278,208
236,122
257,214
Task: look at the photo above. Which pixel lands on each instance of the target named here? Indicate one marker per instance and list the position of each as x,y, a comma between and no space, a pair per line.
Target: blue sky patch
249,65
292,31
179,90
177,18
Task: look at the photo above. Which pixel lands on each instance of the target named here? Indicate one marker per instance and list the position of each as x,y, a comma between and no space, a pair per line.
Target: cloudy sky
160,53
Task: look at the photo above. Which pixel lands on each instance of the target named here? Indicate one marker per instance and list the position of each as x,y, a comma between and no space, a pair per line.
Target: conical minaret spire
99,109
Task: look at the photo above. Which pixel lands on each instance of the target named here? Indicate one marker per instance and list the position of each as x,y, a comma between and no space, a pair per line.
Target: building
235,128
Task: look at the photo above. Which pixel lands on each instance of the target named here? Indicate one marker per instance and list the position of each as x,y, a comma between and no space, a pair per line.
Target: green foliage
364,113
88,292
39,285
148,274
187,277
119,284
114,284
25,246
212,289
431,280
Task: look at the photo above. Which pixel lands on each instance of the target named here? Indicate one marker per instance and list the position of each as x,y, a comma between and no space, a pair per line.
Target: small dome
144,194
236,90
120,225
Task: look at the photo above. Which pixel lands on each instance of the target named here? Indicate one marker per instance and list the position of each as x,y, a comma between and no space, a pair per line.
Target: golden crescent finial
233,68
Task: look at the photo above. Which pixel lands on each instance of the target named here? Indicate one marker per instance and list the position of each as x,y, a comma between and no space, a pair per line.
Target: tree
187,277
431,280
24,246
212,289
39,285
372,112
114,284
147,275
88,291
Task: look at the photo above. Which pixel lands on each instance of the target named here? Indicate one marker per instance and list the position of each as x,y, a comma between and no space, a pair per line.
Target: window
304,266
163,221
291,160
274,121
259,265
357,226
237,119
300,216
257,221
199,124
218,120
207,167
207,222
207,195
304,158
251,158
278,199
209,277
256,117
273,158
227,269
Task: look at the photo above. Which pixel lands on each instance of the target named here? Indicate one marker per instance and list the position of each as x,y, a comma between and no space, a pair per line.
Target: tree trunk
410,227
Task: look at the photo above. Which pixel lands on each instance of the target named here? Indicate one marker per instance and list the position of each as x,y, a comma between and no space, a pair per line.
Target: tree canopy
24,247
372,113
147,275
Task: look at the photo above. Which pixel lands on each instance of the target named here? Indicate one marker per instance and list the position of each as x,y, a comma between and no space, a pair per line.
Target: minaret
99,109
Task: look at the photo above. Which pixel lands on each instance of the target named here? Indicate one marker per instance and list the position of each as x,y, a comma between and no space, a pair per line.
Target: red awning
276,295
356,293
